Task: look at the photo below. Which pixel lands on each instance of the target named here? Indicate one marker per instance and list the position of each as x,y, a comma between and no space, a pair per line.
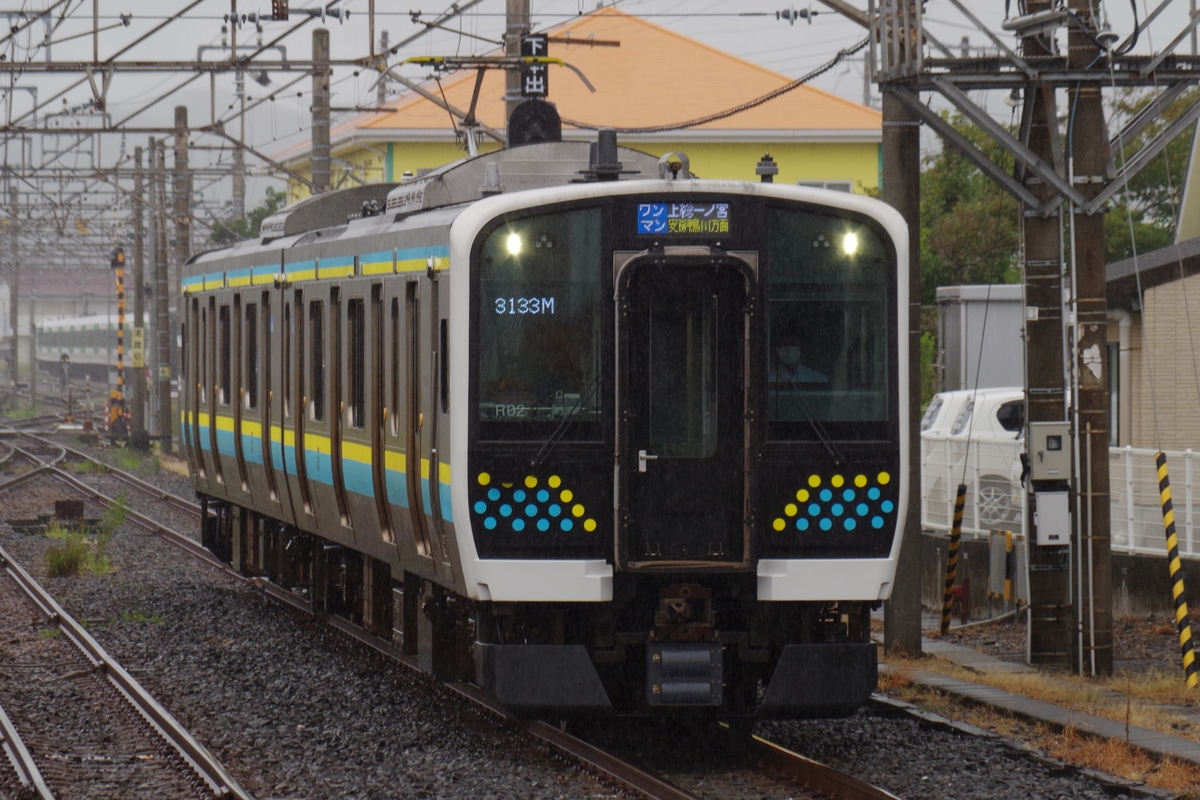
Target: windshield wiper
827,442
556,435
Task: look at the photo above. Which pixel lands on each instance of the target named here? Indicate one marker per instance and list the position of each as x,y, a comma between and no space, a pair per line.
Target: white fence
995,497
992,472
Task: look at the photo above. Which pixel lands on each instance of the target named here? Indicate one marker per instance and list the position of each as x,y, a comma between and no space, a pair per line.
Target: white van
973,437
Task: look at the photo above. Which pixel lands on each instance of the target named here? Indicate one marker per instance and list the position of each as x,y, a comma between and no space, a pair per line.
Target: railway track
793,771
74,717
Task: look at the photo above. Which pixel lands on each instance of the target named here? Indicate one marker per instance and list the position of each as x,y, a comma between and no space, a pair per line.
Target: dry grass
1134,706
1117,758
1133,700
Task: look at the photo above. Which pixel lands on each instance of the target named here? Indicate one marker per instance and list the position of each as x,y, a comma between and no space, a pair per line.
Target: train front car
680,470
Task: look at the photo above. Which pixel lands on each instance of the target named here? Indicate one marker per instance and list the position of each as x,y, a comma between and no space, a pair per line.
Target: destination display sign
683,219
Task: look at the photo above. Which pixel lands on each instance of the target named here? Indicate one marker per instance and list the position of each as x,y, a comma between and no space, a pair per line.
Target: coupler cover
821,680
684,674
532,680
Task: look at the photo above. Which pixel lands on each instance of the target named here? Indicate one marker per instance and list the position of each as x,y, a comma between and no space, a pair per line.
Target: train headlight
514,243
850,244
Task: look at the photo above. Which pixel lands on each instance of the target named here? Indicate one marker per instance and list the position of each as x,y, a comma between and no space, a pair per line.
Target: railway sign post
535,77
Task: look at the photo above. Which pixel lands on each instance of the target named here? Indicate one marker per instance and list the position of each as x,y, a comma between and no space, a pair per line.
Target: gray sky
750,29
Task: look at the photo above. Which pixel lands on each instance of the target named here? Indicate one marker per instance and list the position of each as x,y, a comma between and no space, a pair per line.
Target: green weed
89,467
69,558
80,552
139,616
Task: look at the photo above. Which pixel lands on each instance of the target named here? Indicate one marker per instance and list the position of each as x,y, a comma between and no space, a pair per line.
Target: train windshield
540,302
827,293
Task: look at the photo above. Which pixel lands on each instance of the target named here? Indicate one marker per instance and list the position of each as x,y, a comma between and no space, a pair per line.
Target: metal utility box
979,336
1053,518
1050,451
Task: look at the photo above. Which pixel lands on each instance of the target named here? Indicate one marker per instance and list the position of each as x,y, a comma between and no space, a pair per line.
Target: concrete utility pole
1089,171
902,190
182,199
381,87
517,14
14,285
33,369
1050,611
320,112
162,295
138,418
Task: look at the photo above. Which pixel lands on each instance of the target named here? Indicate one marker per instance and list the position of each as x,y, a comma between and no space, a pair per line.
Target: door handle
643,457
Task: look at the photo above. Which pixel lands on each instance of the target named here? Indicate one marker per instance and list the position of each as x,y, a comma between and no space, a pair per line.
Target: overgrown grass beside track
1132,700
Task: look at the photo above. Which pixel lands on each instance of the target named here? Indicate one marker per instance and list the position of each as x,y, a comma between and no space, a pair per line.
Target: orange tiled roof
655,77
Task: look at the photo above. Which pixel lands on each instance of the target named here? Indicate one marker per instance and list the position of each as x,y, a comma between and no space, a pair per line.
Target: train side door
211,397
375,395
192,386
291,435
266,393
682,330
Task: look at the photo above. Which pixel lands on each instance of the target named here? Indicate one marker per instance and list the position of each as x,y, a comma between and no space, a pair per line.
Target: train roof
531,166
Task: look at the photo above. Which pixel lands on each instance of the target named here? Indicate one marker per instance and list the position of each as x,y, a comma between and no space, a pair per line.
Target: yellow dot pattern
839,503
530,505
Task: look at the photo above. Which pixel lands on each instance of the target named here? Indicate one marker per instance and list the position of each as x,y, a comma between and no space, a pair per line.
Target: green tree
237,229
1142,216
969,225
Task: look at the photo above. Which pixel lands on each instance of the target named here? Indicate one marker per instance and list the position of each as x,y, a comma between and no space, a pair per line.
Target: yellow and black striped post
1178,596
960,500
118,264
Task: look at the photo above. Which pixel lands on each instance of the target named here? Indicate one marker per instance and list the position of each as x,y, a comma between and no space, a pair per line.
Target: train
87,344
535,417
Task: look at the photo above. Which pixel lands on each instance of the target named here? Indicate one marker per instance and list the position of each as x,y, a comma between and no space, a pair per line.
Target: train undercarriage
664,645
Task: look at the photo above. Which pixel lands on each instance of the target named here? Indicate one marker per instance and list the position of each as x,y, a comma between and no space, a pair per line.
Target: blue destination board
683,219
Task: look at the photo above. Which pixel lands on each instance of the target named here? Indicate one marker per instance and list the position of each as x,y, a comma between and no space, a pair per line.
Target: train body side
337,435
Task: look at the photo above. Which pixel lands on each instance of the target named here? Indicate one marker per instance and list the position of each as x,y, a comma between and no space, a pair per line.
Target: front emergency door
682,325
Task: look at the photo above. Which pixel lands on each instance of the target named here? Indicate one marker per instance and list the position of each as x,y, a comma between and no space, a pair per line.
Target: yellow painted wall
857,163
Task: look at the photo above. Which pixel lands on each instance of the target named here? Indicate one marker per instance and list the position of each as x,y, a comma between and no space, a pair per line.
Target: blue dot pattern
530,503
840,504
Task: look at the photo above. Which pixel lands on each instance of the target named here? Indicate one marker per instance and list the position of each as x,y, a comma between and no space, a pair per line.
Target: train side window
444,365
316,316
287,359
356,368
202,362
225,355
251,379
184,344
394,371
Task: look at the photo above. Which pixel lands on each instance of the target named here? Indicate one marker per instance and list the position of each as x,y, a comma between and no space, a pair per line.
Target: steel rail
211,771
41,466
595,760
599,762
138,518
817,776
22,760
145,487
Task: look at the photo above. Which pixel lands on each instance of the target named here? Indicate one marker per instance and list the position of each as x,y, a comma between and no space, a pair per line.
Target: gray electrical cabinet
1050,451
979,336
